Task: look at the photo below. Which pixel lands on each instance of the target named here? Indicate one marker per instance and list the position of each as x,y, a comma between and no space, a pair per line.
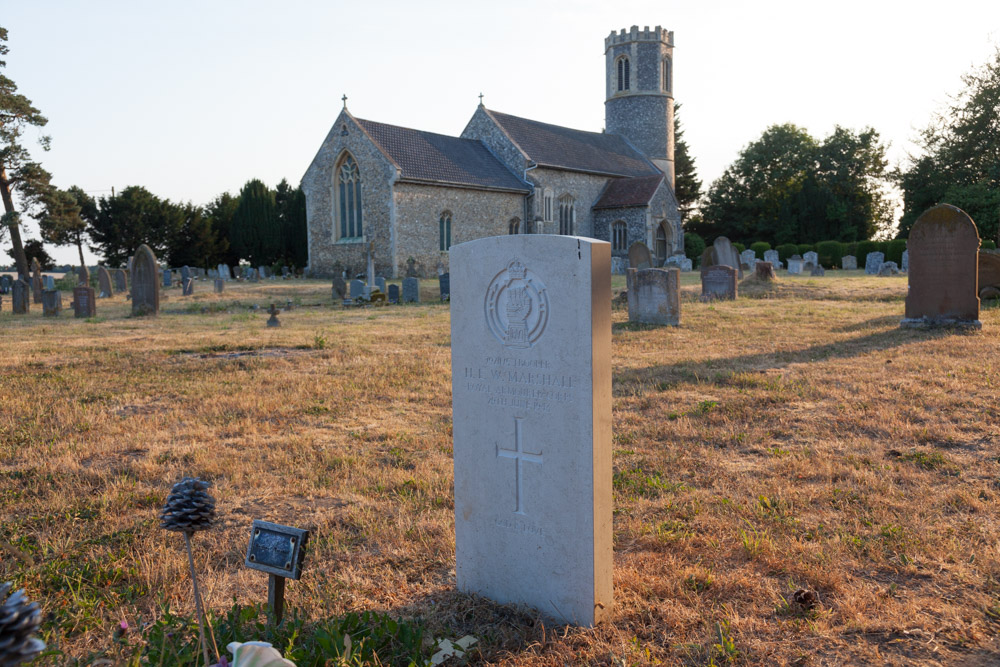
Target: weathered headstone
273,320
943,274
906,261
285,272
764,271
811,257
238,272
121,280
411,268
51,303
188,287
5,284
264,273
411,290
220,285
84,301
167,277
989,270
849,263
531,388
444,280
772,257
104,282
639,256
817,271
224,272
36,280
145,282
380,284
358,290
888,269
21,297
185,273
676,261
718,282
748,258
654,296
393,293
339,288
873,261
725,254
795,264
83,276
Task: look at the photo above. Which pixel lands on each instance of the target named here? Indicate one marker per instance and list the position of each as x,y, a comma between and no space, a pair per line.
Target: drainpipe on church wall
529,199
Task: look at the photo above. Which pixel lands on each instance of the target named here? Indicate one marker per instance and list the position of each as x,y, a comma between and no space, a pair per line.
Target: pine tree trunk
15,231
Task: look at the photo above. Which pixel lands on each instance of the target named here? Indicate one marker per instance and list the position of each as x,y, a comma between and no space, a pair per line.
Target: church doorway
664,242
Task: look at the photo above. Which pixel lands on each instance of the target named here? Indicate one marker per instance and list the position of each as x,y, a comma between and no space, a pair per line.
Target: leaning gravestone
394,293
339,288
104,282
654,296
36,280
849,263
531,392
121,280
718,282
84,301
51,303
145,282
873,261
639,256
795,264
411,290
943,274
358,290
21,298
444,281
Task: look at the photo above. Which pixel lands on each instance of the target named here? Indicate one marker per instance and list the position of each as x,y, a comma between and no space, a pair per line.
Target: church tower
640,92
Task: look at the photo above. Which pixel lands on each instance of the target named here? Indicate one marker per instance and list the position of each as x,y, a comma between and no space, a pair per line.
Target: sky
193,98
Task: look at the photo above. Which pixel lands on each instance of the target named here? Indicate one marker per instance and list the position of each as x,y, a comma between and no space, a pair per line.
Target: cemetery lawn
793,439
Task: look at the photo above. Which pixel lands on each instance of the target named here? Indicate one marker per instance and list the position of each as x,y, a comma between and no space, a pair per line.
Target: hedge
694,245
785,251
894,251
988,245
830,253
803,248
759,248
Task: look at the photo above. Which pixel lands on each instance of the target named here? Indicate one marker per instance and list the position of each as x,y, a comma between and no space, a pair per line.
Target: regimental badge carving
517,306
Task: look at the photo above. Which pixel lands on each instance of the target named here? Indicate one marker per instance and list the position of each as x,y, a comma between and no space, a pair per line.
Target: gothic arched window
667,74
348,194
623,73
567,215
515,226
445,230
619,235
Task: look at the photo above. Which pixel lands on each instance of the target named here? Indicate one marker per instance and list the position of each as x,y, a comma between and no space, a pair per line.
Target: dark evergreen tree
255,235
220,212
197,242
35,249
291,204
133,217
687,185
66,216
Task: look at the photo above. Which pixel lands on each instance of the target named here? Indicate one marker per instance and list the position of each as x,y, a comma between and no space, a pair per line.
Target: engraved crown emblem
516,270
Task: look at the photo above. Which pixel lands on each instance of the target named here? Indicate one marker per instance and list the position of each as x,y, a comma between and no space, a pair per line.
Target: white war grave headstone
531,391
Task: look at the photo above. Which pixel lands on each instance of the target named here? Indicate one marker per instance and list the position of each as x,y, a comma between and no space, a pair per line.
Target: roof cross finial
480,99
345,100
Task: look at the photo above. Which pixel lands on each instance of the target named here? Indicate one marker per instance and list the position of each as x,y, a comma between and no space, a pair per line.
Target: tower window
623,74
619,236
667,74
444,224
514,227
348,192
567,215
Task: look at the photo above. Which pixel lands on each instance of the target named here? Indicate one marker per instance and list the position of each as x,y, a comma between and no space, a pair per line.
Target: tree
687,186
18,172
66,216
960,160
220,212
197,242
34,249
256,231
291,205
787,187
129,219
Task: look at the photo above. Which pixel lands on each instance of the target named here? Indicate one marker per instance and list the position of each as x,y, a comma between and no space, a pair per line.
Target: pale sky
193,98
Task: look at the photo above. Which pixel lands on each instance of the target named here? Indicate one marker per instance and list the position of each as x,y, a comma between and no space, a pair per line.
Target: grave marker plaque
531,383
84,303
51,303
411,290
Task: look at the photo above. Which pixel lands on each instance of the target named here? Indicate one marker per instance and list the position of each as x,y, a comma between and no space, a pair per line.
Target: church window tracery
444,225
619,235
348,191
567,215
515,226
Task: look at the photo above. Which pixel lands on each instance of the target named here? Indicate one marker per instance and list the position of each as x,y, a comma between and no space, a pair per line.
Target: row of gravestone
358,292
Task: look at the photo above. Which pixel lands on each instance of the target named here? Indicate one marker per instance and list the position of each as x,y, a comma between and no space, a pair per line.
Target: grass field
792,439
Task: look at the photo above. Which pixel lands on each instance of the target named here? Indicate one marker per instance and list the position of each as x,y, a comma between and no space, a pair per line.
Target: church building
412,194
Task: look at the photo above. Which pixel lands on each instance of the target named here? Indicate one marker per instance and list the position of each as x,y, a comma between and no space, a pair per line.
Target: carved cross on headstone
519,456
273,312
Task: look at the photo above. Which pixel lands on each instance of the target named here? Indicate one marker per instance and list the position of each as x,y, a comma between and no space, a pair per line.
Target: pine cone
189,508
19,619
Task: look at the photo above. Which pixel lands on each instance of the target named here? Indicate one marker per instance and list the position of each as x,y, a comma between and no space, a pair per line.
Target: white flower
257,654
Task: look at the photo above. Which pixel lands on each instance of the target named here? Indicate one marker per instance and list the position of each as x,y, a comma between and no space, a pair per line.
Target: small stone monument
104,282
339,288
220,285
654,296
188,287
380,284
273,321
5,284
888,269
51,303
167,277
84,301
764,271
358,290
145,282
21,298
817,271
873,261
677,262
849,263
121,280
943,276
393,293
795,264
185,273
531,392
771,256
639,256
444,280
748,258
411,290
718,282
811,257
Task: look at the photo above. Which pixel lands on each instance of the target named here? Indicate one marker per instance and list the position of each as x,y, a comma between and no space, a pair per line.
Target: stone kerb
943,276
531,388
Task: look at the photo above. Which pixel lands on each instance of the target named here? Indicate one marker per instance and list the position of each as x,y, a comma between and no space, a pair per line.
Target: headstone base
927,323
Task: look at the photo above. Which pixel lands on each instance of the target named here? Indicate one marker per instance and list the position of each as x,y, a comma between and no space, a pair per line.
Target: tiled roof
622,192
576,150
425,156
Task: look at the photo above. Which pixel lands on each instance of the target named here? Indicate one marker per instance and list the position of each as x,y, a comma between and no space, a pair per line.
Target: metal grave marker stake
279,551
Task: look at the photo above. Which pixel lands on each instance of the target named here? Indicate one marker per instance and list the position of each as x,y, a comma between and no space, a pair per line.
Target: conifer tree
687,185
256,231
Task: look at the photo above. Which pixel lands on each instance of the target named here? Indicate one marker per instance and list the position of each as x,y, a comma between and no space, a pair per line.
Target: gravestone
811,257
185,273
411,290
943,276
224,271
220,285
764,271
339,288
36,280
48,282
394,293
873,261
531,388
411,268
718,282
5,284
358,290
121,280
906,261
213,274
84,301
748,258
83,276
285,272
238,272
678,262
263,272
273,320
725,254
817,271
51,303
380,284
888,269
989,270
444,280
795,264
188,287
167,276
104,282
654,296
639,256
772,257
849,263
21,298
145,282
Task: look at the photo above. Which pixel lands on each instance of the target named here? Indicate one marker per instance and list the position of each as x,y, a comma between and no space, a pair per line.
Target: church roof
429,157
624,192
565,148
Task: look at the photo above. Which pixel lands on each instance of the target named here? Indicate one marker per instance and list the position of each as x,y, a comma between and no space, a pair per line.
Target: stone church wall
474,214
585,189
482,128
636,220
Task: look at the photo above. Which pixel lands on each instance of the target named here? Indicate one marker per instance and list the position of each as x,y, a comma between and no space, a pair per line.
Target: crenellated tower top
657,34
